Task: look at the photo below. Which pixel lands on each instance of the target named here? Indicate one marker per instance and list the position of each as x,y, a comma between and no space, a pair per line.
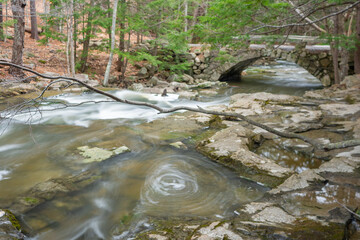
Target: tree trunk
6,18
46,7
1,23
120,63
123,70
334,45
109,15
86,44
34,28
18,10
357,52
75,33
344,53
186,14
71,61
113,25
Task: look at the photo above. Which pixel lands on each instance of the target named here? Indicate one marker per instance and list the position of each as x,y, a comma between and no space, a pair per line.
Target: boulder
188,95
113,79
173,78
205,85
152,69
351,81
23,88
215,76
143,73
179,85
187,78
153,81
137,87
82,77
326,81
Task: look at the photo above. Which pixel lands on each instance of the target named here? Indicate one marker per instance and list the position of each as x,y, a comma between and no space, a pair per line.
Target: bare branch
307,23
314,143
298,11
357,216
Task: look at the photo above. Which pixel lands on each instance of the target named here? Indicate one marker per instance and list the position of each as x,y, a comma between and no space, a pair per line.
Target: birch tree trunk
34,28
113,25
18,10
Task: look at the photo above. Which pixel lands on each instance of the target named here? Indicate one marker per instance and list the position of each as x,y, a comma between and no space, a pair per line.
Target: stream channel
152,180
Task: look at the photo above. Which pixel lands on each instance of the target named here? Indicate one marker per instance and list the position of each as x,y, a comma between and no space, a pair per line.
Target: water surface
153,180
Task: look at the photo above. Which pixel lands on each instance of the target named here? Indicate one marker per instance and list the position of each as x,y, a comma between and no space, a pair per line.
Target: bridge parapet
316,59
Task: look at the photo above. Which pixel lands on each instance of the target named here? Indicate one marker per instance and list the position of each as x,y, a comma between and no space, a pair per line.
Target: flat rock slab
257,103
341,163
274,215
297,181
340,109
216,230
229,147
266,165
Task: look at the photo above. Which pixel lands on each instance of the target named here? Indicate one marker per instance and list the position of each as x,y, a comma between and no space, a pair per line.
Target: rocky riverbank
307,187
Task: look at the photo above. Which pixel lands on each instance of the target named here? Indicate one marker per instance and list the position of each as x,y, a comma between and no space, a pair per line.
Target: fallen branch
317,145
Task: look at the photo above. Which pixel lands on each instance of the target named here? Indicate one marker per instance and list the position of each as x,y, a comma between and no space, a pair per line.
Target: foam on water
3,174
93,108
10,147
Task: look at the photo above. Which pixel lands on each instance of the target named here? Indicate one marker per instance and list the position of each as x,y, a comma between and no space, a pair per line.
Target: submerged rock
178,145
10,228
47,190
96,154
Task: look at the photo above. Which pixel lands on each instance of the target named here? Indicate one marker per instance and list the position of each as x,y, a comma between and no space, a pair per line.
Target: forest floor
51,57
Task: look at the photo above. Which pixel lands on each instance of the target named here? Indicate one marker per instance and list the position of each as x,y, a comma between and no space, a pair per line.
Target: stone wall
317,63
206,65
317,60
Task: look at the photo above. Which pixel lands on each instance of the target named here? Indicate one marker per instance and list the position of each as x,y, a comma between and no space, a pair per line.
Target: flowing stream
153,180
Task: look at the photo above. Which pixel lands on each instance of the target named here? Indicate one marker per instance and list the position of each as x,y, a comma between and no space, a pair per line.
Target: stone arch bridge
316,59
